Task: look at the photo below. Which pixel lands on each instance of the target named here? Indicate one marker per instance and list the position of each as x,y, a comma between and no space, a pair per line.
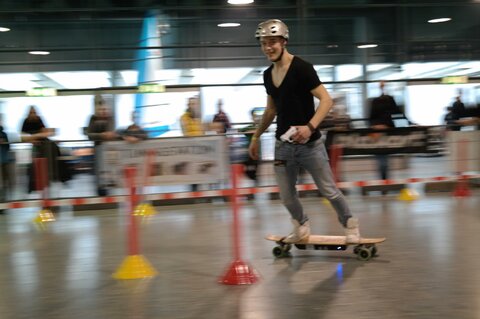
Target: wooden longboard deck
328,240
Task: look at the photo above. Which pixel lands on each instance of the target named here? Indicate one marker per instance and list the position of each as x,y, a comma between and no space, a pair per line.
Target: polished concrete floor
428,267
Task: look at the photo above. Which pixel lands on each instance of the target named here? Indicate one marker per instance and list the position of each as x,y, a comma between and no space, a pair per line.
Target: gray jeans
314,159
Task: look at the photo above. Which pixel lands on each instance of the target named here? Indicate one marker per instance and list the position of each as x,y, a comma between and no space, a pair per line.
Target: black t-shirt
293,100
458,108
381,111
32,126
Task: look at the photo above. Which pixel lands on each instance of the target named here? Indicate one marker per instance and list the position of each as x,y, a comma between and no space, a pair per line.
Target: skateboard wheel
278,252
373,251
364,253
356,249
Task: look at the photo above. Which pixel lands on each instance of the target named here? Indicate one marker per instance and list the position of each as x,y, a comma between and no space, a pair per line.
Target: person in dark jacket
382,108
100,129
221,118
450,120
6,160
34,131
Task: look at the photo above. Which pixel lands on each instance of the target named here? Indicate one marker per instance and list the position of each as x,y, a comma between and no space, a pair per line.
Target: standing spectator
380,118
458,108
221,118
192,124
34,131
100,129
6,161
190,121
450,120
133,133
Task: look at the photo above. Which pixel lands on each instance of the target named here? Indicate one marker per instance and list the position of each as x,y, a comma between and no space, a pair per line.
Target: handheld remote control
286,137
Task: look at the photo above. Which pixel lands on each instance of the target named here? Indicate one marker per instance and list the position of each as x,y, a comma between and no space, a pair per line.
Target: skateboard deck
365,249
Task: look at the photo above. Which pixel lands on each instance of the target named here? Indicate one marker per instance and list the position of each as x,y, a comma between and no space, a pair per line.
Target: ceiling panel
104,34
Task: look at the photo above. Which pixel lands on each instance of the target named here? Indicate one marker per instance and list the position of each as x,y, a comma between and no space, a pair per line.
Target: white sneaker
352,233
299,232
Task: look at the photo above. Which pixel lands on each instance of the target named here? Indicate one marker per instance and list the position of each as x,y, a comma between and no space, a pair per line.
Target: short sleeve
310,77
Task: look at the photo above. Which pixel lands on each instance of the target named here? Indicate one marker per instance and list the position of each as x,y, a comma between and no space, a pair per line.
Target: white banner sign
167,161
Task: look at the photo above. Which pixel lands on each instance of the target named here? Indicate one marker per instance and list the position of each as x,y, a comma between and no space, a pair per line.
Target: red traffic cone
462,189
239,273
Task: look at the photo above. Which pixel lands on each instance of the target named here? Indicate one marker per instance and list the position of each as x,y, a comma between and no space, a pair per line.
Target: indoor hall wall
427,104
424,105
67,114
70,114
237,101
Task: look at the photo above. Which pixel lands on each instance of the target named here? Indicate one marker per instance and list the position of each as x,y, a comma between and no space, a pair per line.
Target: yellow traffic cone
144,209
135,267
43,216
407,194
139,210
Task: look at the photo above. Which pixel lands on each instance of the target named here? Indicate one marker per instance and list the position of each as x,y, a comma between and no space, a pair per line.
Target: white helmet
272,28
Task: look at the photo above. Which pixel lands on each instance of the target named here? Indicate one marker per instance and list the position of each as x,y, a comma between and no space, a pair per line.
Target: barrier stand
134,266
336,152
40,173
239,272
462,189
145,208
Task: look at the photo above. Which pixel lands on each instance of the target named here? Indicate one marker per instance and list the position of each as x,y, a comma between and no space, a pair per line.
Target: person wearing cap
291,85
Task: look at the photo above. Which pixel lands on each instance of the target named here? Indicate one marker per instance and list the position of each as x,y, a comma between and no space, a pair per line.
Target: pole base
239,273
407,194
144,209
462,190
43,216
135,267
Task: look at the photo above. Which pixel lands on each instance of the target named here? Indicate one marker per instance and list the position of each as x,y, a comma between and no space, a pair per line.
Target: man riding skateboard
291,84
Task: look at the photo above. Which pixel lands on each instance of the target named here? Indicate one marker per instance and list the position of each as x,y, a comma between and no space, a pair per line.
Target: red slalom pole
134,266
148,168
41,175
142,208
236,171
239,272
462,189
132,232
335,155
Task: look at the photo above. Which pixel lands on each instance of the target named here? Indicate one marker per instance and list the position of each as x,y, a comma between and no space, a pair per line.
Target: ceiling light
240,1
367,46
2,29
228,25
439,20
18,81
81,79
39,52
